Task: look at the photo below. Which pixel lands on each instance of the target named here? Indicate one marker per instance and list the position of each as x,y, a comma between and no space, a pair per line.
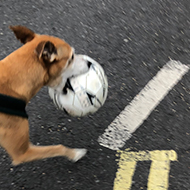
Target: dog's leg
16,141
41,152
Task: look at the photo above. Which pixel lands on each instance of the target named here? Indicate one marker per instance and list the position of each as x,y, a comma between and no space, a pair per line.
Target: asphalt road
132,40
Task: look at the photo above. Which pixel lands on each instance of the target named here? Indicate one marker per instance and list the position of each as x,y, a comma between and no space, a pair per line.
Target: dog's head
56,56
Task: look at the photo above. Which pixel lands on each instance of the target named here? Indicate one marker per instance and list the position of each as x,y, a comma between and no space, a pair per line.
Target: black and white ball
83,94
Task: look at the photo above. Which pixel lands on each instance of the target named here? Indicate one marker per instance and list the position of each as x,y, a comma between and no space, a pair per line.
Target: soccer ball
83,94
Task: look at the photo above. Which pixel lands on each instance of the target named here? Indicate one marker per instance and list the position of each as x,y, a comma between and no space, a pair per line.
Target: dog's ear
22,33
46,51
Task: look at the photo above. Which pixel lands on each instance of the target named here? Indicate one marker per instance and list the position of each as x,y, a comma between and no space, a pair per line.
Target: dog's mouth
68,83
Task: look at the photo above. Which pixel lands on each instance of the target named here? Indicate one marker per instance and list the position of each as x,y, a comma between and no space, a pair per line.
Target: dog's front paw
79,153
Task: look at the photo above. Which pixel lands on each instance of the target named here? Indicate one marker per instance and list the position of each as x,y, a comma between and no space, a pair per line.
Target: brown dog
42,60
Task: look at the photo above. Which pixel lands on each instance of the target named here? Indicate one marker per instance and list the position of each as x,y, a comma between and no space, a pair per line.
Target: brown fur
22,74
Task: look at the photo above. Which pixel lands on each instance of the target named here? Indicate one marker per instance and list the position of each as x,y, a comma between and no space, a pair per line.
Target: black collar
12,106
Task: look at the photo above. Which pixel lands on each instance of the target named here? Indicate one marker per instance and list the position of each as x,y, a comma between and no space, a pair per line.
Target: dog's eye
72,57
70,61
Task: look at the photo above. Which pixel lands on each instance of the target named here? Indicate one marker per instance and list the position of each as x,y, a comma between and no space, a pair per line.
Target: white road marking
121,129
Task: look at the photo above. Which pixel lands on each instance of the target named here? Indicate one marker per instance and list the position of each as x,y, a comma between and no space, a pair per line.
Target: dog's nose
89,64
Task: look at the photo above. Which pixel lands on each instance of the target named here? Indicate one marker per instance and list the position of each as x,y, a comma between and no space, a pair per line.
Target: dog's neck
23,80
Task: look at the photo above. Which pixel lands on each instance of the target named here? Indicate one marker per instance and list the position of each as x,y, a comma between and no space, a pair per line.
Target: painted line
159,170
121,129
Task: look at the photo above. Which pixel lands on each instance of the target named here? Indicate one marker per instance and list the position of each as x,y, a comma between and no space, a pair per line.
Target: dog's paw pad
79,153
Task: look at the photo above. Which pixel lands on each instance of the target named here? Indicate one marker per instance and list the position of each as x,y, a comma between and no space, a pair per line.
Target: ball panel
82,99
66,100
93,83
79,82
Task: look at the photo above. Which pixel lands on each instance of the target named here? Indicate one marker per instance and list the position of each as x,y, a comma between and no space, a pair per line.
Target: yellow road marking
124,176
159,170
